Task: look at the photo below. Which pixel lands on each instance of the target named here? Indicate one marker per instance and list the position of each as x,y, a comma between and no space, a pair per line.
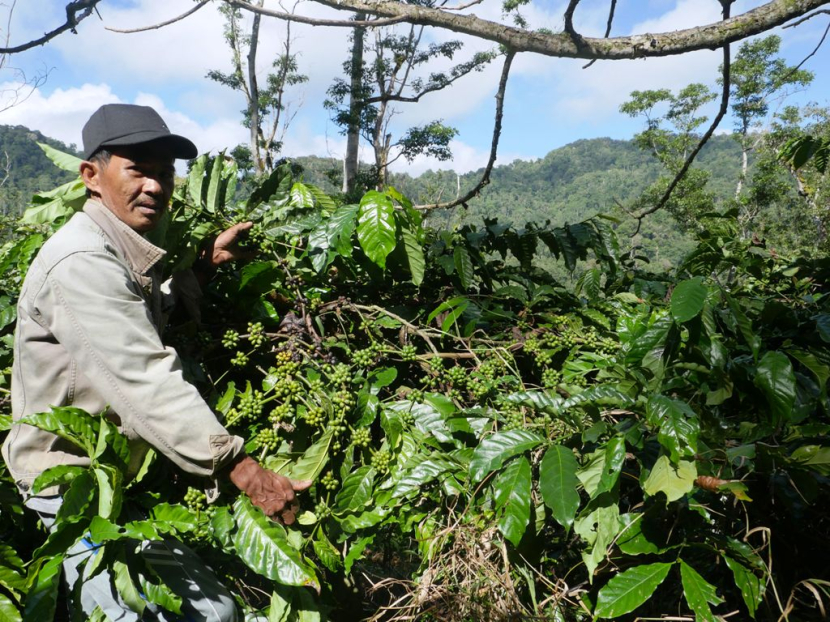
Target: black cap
121,125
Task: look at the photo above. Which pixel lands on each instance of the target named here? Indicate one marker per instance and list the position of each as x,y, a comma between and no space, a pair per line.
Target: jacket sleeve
92,306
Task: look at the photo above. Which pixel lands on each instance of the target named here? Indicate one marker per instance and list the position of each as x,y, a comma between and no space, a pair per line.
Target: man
89,317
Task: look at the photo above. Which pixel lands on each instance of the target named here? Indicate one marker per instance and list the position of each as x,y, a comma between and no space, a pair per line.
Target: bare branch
494,147
816,49
710,36
807,17
414,99
724,105
461,7
291,17
161,24
76,12
607,27
569,17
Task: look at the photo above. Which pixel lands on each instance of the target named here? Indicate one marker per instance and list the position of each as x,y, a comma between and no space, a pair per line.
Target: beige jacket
87,335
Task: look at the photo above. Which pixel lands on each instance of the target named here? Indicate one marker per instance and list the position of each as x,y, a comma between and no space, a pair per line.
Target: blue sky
549,102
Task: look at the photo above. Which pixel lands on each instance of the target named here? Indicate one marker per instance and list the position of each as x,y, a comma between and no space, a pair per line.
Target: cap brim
180,147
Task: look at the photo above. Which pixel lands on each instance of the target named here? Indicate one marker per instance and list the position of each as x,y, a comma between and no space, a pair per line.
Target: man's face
136,184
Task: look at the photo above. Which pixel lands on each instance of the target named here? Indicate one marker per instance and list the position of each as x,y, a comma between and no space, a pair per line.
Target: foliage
267,113
365,103
24,169
483,440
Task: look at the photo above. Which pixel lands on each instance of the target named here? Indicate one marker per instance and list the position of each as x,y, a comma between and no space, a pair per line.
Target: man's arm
92,307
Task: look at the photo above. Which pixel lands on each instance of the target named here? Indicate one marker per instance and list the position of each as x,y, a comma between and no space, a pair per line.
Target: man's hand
272,493
226,246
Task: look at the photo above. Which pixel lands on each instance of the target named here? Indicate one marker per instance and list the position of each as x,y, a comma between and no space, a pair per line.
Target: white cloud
63,113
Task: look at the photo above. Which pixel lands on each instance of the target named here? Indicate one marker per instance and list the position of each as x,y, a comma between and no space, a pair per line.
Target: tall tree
758,75
366,102
267,114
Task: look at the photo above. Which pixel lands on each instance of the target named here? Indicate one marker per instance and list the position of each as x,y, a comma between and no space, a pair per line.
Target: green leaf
112,447
72,424
340,227
78,497
614,460
421,474
56,476
823,326
43,596
632,540
699,593
414,255
376,227
497,448
674,481
213,199
598,529
512,496
356,552
752,587
356,490
558,484
123,580
301,196
687,300
62,160
318,246
161,595
279,609
463,266
196,180
813,457
311,464
68,198
179,518
263,547
353,524
630,589
589,284
110,494
677,423
8,610
775,377
327,552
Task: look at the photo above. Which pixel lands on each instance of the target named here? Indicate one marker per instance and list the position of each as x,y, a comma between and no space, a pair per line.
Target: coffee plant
485,443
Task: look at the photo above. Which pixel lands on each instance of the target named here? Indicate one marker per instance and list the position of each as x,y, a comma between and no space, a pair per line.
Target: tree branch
710,36
569,17
607,28
816,49
807,17
494,147
414,99
724,105
311,21
76,12
461,7
130,31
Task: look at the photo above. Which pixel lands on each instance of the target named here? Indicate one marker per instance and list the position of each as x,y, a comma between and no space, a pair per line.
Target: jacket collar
137,250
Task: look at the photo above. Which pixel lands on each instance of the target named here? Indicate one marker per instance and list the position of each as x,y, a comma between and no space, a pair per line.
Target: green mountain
569,184
25,168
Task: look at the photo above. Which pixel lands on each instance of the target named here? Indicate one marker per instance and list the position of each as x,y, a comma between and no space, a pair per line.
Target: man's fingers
300,485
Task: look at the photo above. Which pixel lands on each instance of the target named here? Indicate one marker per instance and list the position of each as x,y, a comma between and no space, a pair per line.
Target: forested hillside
569,184
24,169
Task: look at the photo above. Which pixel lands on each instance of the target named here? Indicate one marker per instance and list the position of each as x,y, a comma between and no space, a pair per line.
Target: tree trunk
350,164
253,96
